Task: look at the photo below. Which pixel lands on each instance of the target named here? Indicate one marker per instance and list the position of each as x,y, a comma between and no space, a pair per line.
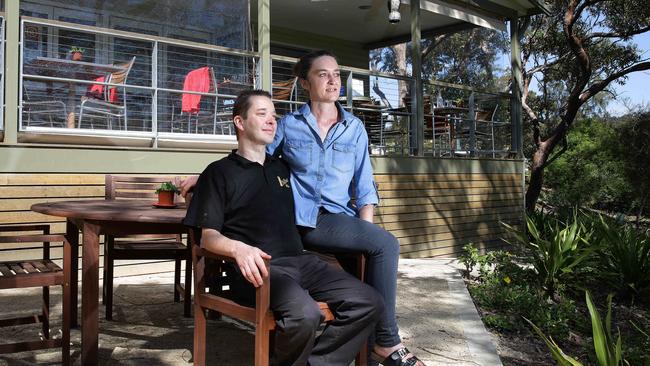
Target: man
244,206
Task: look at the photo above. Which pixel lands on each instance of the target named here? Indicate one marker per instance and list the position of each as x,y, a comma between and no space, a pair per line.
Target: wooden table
73,70
95,217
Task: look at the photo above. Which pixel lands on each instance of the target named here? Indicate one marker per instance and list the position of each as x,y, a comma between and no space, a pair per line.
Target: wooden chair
42,272
261,315
144,246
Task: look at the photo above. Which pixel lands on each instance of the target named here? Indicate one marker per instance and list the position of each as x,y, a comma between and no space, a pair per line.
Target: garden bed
571,256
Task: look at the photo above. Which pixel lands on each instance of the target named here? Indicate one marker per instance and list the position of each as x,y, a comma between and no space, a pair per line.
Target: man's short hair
243,101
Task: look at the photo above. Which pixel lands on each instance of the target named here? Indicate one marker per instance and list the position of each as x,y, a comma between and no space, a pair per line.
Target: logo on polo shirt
284,182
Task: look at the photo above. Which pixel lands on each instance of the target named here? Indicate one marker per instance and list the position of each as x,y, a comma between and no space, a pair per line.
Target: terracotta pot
166,198
76,56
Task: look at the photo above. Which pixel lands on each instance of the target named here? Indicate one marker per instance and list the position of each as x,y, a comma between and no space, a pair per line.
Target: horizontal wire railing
83,94
61,90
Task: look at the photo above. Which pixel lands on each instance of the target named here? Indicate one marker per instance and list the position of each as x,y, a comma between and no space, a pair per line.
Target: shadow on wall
436,206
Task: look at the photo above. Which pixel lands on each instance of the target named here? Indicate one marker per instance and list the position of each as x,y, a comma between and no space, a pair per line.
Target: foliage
608,352
469,257
77,49
625,258
465,57
572,56
590,173
168,187
553,247
506,295
642,351
634,150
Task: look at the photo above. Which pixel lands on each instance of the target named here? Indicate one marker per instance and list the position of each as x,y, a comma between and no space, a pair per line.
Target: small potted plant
166,194
76,53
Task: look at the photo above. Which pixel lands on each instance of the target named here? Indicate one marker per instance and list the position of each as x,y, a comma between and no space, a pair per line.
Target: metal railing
461,121
134,85
143,99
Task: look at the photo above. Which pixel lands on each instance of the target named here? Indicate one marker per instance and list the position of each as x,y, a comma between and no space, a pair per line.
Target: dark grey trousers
340,233
297,284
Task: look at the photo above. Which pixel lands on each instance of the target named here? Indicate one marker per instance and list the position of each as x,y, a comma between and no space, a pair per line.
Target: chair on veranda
286,91
108,104
36,111
201,110
41,272
208,270
144,246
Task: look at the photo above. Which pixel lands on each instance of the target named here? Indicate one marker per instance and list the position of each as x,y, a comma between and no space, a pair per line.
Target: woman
327,150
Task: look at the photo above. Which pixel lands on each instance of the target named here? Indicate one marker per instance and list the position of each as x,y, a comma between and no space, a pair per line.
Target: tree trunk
536,179
538,164
400,61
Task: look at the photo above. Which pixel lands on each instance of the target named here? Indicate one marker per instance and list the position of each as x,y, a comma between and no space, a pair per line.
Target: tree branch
580,8
600,85
564,148
584,62
435,42
617,34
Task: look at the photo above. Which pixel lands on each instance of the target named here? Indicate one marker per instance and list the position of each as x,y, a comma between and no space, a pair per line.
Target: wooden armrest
201,252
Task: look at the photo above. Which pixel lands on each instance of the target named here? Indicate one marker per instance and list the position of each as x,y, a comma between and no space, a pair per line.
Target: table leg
90,294
72,234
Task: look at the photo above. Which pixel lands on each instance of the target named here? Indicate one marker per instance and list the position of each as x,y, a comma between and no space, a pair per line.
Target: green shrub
469,257
505,299
608,352
553,247
625,258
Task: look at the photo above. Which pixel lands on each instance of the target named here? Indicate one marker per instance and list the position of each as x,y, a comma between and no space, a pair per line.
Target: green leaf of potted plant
166,193
76,53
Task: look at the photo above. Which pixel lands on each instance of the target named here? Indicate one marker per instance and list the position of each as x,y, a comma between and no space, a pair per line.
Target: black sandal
398,358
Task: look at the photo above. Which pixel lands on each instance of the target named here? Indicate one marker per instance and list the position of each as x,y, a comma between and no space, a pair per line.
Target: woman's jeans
340,233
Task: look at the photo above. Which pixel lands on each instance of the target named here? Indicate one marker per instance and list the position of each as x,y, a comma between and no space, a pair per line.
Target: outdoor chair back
144,246
41,272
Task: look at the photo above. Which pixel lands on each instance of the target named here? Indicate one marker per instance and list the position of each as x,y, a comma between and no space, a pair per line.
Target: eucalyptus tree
573,55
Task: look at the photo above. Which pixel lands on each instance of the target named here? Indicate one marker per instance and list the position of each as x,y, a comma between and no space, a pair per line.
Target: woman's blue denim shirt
326,173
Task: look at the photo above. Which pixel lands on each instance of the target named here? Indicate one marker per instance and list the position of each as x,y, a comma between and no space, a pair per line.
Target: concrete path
437,319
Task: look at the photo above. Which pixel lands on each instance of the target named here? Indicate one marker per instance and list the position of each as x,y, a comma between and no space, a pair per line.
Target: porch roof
366,22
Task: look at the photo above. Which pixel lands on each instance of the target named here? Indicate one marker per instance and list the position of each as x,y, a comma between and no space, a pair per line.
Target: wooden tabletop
59,67
113,210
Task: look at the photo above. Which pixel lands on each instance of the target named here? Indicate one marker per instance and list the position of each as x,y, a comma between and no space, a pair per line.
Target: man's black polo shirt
246,201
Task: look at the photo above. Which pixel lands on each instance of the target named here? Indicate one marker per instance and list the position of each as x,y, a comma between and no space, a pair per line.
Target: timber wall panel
432,214
436,214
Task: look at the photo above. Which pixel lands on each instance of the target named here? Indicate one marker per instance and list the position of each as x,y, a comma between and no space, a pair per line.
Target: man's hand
188,184
251,263
250,259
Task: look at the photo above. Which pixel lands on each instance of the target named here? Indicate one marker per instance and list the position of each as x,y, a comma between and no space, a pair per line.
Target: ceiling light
393,11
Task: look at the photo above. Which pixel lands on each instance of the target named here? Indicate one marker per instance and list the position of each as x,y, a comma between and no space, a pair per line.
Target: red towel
199,81
97,91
